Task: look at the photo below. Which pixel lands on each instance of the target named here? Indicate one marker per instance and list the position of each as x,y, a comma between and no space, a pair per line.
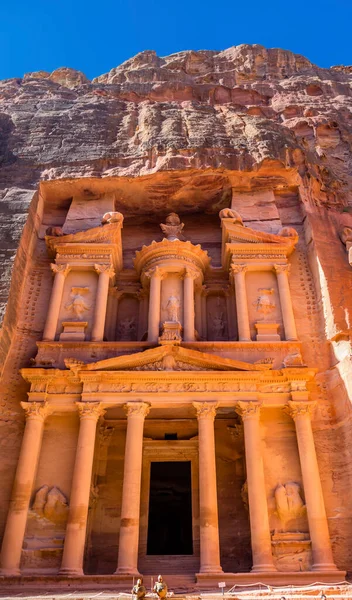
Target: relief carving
127,329
289,504
265,303
293,360
50,504
112,217
172,228
78,305
172,309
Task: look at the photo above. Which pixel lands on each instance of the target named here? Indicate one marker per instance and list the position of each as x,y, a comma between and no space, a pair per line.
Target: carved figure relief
50,504
293,360
265,303
172,309
289,504
78,305
172,228
218,325
127,328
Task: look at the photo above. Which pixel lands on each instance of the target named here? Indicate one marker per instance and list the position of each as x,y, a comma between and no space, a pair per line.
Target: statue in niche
218,325
50,504
127,328
229,213
172,309
289,504
264,303
78,305
172,228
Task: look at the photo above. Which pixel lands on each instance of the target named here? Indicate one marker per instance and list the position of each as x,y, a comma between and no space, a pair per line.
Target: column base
324,567
67,572
127,571
210,570
10,572
264,569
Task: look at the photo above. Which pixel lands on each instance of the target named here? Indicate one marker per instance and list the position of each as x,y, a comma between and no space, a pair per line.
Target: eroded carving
172,228
127,328
265,303
78,304
229,213
112,217
50,504
289,504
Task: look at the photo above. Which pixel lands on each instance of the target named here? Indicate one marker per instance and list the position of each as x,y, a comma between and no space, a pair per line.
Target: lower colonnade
127,559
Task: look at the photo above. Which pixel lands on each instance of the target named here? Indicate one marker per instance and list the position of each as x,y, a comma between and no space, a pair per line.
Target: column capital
206,410
236,268
155,272
36,410
64,268
282,268
190,274
137,409
248,410
104,269
300,409
90,410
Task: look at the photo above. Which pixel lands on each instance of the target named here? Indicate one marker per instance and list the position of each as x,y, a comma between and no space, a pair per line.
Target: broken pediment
167,358
241,241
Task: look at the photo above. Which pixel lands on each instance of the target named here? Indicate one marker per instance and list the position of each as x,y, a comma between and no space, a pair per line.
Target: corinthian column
72,559
131,491
258,507
55,300
208,499
101,301
318,524
239,272
188,306
36,413
282,272
156,276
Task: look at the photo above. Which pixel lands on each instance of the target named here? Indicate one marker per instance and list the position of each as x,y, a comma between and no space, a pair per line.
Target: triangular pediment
167,358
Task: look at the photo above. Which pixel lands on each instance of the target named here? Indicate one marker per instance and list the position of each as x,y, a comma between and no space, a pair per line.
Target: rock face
262,130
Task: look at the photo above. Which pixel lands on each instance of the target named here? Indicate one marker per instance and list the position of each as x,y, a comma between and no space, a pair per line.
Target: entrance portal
170,508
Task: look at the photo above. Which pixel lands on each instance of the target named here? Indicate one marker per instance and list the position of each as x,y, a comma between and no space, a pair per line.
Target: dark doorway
170,508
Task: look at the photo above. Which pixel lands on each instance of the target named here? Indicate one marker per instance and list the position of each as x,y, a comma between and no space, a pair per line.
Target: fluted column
282,272
55,300
131,491
258,506
72,559
188,306
239,272
36,413
156,276
101,301
208,500
318,524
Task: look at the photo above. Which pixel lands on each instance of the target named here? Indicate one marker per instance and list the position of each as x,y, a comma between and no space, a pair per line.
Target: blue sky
94,37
